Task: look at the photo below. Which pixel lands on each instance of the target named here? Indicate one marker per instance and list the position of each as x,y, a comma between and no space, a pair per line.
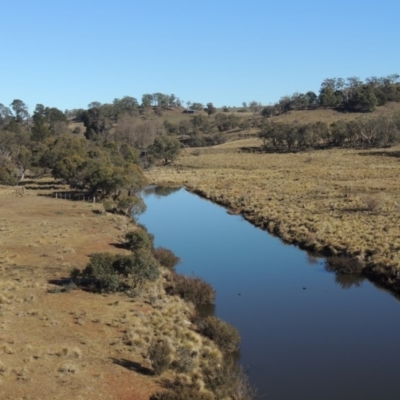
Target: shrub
131,206
343,265
166,257
100,274
8,177
225,336
193,289
143,268
228,381
111,273
138,239
184,361
160,356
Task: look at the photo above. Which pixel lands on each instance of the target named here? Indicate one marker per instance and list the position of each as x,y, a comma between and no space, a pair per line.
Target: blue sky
66,54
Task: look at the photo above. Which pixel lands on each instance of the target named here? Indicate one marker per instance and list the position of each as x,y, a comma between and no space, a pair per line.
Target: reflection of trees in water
160,191
346,281
312,259
205,310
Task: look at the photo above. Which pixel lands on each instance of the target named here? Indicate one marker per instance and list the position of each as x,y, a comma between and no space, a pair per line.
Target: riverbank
333,202
64,344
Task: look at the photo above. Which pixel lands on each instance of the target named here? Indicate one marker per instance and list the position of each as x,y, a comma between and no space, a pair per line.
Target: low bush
228,381
8,177
111,273
160,356
183,362
166,257
192,289
225,336
138,239
100,275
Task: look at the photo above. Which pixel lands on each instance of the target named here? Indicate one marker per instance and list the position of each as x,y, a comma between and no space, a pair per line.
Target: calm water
305,334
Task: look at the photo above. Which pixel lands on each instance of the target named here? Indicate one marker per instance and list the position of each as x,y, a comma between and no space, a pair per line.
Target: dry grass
333,201
76,345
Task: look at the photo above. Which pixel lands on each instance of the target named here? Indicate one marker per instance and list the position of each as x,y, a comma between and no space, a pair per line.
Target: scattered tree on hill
20,109
210,109
165,148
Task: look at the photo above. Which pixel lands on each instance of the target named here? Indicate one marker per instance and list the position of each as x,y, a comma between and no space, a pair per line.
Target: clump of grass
160,356
372,203
3,369
68,369
184,361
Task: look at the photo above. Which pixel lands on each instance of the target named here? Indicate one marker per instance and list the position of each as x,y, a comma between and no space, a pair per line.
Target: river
306,333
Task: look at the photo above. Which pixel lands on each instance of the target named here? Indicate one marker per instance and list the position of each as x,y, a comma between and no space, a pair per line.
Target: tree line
348,95
104,162
366,132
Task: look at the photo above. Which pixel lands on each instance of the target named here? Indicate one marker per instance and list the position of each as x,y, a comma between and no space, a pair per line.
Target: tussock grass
333,202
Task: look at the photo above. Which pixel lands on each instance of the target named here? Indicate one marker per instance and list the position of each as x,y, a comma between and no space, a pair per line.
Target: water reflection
348,281
306,333
160,191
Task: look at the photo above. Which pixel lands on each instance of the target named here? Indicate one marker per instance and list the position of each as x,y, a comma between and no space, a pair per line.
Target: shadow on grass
132,366
395,154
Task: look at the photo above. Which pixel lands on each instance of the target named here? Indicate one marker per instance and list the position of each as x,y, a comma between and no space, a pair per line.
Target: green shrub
132,206
166,257
144,268
160,356
8,177
225,336
192,289
138,239
100,274
110,273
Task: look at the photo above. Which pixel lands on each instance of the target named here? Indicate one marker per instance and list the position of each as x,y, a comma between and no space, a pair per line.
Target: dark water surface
305,333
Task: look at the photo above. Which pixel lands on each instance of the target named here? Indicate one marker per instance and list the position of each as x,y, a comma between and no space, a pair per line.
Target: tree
147,99
197,106
166,148
135,132
126,105
40,130
5,115
255,107
20,110
328,98
210,109
23,160
362,99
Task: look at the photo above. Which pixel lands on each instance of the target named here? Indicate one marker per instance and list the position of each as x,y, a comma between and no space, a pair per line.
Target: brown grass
331,201
76,344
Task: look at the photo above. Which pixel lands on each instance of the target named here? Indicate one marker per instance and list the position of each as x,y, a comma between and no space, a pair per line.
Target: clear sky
68,53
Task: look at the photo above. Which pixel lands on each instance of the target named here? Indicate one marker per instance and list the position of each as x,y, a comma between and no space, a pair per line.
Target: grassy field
336,202
64,345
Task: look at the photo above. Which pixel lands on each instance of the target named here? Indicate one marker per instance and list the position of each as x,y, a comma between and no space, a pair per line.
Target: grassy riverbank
336,202
56,344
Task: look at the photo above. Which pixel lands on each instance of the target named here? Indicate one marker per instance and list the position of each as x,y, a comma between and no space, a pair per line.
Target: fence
74,197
